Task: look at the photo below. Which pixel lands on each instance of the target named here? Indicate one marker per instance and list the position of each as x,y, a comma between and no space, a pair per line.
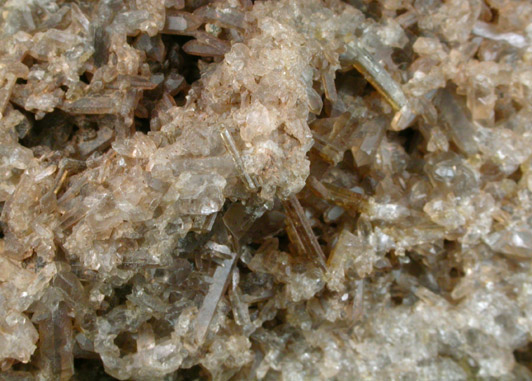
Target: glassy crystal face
266,190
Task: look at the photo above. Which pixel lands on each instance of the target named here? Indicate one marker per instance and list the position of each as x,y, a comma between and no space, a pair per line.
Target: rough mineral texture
266,190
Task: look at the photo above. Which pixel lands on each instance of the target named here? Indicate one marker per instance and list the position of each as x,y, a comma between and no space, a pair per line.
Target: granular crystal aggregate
270,190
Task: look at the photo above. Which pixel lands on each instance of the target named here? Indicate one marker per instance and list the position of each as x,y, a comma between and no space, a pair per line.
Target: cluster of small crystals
292,189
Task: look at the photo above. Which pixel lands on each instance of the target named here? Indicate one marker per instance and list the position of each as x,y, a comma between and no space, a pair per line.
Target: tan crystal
271,190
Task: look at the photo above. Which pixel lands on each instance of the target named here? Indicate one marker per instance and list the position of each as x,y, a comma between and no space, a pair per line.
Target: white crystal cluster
273,190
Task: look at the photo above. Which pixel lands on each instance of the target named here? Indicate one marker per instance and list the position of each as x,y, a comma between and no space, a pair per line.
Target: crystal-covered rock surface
266,190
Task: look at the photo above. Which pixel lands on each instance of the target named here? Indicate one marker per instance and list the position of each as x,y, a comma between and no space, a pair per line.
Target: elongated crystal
233,150
301,234
384,84
340,196
459,127
217,287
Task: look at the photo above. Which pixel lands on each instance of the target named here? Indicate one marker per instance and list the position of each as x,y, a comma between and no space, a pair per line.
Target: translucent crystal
459,127
301,233
218,284
384,83
265,190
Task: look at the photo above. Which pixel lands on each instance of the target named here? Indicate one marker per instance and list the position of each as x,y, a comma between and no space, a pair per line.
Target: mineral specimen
288,189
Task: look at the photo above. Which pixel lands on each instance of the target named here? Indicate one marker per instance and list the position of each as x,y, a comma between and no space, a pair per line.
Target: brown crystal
270,190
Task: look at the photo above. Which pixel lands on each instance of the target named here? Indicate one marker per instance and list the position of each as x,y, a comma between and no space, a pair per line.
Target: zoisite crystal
288,190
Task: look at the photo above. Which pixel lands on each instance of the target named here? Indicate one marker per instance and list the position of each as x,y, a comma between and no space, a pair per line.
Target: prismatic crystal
266,190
